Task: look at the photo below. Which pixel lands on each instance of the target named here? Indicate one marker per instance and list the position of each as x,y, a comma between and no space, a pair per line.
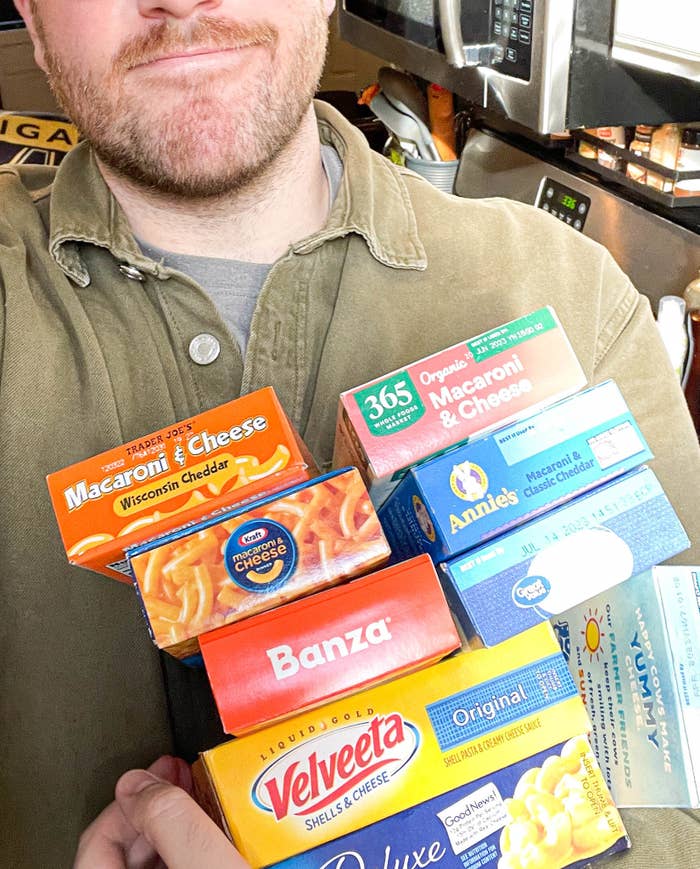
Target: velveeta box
397,420
328,645
323,774
562,558
476,491
249,560
548,811
634,652
231,454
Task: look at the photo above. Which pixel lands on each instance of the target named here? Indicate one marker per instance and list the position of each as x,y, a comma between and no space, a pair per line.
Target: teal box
563,558
479,490
634,653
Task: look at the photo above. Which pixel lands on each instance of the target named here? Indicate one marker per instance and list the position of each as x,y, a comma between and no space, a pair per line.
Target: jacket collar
372,201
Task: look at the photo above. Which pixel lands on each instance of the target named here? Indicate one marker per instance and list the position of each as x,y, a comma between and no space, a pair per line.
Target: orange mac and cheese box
232,566
231,454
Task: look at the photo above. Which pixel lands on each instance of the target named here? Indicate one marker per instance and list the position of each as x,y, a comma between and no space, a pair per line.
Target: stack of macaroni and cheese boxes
481,476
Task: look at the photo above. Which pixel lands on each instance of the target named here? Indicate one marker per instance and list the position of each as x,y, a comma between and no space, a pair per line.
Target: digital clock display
568,201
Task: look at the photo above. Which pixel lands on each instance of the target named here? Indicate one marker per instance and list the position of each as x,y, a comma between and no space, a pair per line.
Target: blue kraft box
562,558
551,809
481,489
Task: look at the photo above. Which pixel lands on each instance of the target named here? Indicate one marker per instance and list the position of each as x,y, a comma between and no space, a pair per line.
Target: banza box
476,491
397,420
634,652
562,558
328,645
231,454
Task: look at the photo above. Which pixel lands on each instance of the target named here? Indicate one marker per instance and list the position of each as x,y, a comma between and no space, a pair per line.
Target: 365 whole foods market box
293,786
634,652
231,454
564,557
471,493
397,420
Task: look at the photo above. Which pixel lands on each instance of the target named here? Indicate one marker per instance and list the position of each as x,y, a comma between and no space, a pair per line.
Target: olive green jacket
94,351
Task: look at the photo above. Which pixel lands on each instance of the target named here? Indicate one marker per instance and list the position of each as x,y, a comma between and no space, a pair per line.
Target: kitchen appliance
547,64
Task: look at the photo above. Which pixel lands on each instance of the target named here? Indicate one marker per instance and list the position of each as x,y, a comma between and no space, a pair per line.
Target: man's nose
176,8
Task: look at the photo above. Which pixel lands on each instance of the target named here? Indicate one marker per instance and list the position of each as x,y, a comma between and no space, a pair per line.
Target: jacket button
131,272
204,349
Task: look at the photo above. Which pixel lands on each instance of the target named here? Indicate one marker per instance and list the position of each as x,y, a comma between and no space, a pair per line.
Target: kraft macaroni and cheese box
634,652
397,420
328,645
236,452
320,775
550,810
251,559
479,490
562,558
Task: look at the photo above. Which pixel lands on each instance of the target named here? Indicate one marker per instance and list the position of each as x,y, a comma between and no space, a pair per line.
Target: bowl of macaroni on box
252,559
231,454
329,644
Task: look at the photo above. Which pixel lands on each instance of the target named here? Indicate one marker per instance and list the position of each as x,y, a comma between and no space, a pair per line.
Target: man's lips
192,55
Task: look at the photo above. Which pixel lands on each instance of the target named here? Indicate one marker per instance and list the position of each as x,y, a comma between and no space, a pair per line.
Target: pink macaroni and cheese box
404,417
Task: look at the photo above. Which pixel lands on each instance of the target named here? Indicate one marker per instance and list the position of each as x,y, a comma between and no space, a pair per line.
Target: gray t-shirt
234,285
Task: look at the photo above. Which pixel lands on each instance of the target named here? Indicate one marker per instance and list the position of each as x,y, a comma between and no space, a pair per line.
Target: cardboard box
323,774
562,558
397,420
634,652
257,557
228,455
328,645
551,810
481,489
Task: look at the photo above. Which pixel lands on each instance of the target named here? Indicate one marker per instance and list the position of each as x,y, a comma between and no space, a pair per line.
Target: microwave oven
549,65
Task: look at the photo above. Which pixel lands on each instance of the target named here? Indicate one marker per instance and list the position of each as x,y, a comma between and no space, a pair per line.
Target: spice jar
688,161
640,145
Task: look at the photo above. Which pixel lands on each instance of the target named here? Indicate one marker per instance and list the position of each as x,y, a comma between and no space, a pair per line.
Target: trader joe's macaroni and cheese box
228,455
395,421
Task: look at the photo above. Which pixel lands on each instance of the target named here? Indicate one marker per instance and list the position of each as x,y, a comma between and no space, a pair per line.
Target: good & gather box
563,558
397,420
231,454
476,491
634,652
251,559
320,775
548,811
328,645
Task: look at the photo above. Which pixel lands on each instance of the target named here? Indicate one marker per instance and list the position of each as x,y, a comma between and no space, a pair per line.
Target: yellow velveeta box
321,775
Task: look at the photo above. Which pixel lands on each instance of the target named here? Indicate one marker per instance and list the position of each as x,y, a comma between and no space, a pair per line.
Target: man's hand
154,822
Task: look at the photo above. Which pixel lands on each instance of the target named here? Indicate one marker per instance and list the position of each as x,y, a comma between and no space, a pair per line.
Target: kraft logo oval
330,769
531,591
261,556
253,536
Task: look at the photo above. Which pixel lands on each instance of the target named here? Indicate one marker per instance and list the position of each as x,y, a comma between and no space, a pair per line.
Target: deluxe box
252,559
395,421
328,645
325,773
551,810
472,493
231,454
634,652
563,558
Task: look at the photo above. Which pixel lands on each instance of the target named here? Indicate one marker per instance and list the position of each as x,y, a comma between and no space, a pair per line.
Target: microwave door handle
457,53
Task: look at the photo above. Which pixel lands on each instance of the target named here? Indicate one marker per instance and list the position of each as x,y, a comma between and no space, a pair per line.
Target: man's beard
203,144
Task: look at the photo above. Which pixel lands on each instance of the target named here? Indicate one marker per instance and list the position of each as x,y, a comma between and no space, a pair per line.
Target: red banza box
328,645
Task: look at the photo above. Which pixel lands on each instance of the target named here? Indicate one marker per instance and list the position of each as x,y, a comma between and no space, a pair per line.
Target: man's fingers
176,827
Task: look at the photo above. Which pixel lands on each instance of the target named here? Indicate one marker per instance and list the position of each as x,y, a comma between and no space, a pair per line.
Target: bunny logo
468,481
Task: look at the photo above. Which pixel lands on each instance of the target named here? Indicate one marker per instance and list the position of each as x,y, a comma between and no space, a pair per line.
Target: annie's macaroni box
251,559
634,652
397,420
478,490
231,454
320,775
550,810
328,645
562,558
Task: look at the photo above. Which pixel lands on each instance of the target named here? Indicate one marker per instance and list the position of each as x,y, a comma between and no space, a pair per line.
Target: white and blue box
634,653
568,555
481,489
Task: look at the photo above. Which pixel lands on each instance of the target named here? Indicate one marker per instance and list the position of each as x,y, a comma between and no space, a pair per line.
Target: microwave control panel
563,202
511,30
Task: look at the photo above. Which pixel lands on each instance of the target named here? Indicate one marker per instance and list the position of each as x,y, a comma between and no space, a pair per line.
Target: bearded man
216,232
